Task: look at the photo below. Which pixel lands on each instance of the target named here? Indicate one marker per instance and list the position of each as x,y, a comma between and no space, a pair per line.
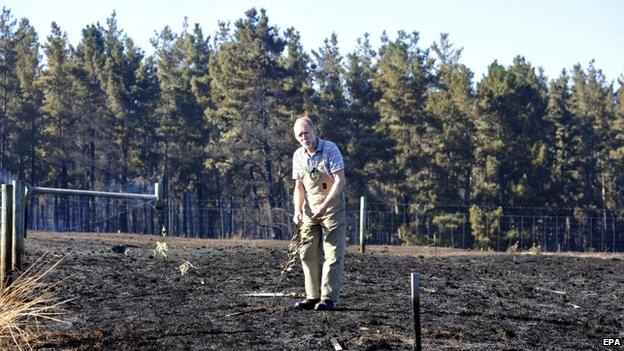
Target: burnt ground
469,300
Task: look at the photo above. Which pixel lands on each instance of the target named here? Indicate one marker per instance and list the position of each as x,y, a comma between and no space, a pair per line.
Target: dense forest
212,116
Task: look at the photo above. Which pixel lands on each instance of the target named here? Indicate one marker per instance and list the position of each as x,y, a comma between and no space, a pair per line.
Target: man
318,172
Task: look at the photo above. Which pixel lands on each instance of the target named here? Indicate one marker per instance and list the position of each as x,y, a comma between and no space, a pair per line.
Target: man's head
305,134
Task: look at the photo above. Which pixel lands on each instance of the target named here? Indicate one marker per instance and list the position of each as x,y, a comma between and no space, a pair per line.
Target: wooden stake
416,310
158,191
362,224
6,235
19,225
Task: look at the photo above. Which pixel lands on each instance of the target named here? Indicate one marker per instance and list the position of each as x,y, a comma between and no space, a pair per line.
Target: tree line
213,115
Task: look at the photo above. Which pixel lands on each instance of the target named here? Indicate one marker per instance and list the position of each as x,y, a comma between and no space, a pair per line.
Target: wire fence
62,213
256,219
549,233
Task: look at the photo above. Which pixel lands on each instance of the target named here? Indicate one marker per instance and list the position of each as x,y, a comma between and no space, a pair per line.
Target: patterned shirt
327,154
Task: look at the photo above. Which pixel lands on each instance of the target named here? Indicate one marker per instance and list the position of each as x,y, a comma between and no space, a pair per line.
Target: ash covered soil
469,300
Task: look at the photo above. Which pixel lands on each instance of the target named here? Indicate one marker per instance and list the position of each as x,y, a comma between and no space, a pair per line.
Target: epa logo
612,342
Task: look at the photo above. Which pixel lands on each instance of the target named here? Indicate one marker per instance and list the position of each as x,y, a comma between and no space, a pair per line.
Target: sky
552,34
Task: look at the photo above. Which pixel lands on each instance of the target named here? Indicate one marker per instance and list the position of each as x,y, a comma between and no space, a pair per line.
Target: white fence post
19,225
362,224
6,236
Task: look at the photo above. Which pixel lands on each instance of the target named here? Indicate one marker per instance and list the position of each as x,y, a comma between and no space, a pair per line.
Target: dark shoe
324,305
306,304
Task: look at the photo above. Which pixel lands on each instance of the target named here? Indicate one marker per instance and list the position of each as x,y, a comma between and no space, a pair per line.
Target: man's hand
297,217
320,212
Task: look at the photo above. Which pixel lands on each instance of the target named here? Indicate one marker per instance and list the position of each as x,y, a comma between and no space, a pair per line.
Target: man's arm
336,189
298,197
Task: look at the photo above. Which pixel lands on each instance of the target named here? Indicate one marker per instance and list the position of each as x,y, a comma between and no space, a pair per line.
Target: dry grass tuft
28,301
535,249
185,267
513,248
292,252
296,242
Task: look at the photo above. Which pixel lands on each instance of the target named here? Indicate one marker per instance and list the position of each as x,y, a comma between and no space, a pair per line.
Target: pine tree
451,103
565,191
364,147
513,163
57,107
8,85
297,93
28,98
531,100
403,77
122,63
182,61
59,119
297,78
92,113
591,106
91,107
256,134
329,100
511,155
616,154
118,78
147,92
197,53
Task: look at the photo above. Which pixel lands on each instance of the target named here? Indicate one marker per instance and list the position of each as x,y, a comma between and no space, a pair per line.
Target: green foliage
449,227
448,222
182,61
408,235
329,100
403,75
512,161
60,120
451,105
25,135
248,112
485,225
214,117
590,104
616,155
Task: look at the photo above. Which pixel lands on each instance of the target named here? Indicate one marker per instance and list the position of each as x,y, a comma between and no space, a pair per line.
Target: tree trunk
270,191
92,200
200,209
123,214
63,199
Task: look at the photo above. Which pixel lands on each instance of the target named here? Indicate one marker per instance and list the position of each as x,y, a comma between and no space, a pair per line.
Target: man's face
305,135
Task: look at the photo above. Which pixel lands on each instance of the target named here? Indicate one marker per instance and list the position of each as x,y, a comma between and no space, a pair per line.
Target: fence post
416,310
160,190
6,229
362,224
158,205
613,232
19,225
464,231
500,224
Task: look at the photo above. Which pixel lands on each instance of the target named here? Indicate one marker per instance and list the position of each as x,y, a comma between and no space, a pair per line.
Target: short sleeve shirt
327,154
